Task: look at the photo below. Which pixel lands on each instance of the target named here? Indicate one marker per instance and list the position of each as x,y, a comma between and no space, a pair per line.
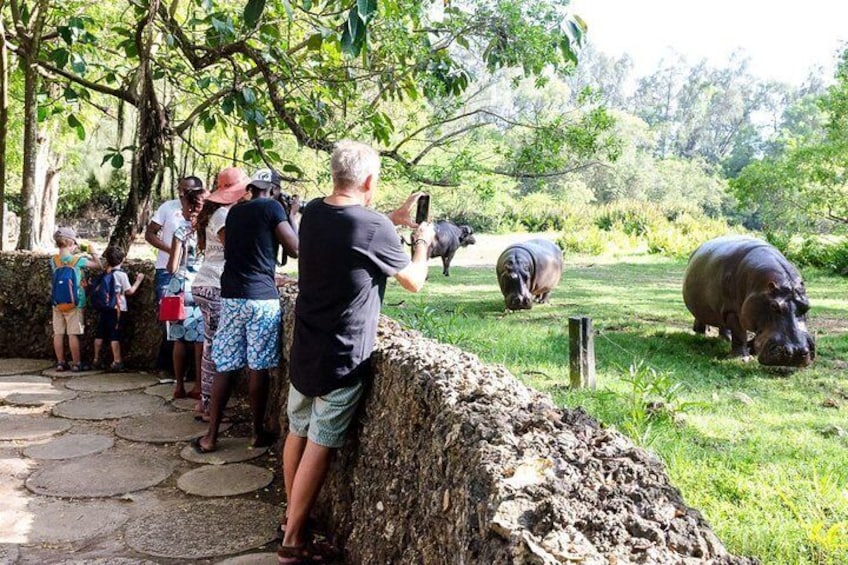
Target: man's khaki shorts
67,322
323,419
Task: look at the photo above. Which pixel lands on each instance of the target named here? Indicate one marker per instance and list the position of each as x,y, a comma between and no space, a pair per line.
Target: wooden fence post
581,343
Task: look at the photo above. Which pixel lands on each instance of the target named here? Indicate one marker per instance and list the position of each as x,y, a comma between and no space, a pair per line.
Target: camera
285,200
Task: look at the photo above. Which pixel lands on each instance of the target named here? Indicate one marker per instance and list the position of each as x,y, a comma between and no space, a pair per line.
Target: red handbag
172,309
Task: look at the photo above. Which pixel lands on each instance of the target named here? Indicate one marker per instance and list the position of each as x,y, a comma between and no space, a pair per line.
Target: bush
682,236
630,217
589,241
824,252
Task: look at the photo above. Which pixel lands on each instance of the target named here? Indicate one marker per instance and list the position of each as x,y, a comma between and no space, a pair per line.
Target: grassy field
759,451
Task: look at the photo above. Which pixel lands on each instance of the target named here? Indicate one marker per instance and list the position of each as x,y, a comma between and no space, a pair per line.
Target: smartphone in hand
422,214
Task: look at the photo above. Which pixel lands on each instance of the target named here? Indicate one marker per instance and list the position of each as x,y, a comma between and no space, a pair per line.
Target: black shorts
109,325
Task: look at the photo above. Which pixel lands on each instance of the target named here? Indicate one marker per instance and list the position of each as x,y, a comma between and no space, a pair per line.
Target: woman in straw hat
231,187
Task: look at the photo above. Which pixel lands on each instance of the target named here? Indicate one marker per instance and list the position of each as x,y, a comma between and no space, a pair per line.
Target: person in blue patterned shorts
249,328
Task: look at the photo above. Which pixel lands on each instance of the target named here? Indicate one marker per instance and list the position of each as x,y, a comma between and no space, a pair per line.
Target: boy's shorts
70,322
323,419
248,335
109,326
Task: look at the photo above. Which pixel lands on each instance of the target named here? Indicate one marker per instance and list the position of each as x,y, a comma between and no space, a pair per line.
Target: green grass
770,483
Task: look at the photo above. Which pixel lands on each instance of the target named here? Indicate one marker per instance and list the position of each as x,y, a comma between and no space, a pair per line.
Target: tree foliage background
497,107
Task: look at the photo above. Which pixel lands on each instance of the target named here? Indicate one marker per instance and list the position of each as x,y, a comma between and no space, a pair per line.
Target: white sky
784,40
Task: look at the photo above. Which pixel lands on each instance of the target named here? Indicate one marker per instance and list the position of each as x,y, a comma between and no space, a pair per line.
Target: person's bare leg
198,359
306,484
98,347
222,387
179,368
292,452
258,385
74,344
116,351
59,347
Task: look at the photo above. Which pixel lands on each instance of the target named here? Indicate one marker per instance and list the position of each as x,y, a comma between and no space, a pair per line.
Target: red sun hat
231,186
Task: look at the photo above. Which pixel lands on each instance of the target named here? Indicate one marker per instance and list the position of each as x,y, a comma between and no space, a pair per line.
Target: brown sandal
298,555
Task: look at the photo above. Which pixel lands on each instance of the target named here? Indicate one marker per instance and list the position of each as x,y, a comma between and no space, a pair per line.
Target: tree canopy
264,77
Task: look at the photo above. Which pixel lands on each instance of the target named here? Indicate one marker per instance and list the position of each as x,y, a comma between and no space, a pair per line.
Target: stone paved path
93,471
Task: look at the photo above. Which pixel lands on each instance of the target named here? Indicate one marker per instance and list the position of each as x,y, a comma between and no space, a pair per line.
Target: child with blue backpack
108,295
68,297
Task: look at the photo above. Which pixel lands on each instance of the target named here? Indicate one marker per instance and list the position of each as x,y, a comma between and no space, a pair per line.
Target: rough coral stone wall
26,328
454,461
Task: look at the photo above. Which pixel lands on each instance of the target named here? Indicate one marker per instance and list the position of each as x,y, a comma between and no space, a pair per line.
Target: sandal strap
297,554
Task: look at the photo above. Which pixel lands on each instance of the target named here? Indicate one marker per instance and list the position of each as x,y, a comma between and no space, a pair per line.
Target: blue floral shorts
248,334
191,329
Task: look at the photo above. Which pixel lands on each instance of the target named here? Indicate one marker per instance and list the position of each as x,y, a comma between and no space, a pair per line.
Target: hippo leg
543,298
752,346
738,337
699,327
446,261
726,333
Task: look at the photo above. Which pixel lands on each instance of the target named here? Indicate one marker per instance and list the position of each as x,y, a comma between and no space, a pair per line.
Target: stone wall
455,461
450,460
25,312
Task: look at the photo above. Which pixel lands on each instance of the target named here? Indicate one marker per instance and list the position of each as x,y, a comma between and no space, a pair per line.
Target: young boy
110,324
68,297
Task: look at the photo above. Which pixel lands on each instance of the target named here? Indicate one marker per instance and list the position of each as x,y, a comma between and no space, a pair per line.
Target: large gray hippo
741,284
529,271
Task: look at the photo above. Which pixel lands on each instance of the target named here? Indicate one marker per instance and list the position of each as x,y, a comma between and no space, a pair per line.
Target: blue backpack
103,295
66,284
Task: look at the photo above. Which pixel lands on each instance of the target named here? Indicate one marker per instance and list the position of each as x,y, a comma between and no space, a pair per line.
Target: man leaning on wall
347,253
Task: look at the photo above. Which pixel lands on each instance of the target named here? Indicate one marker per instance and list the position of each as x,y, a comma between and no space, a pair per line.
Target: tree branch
528,176
445,138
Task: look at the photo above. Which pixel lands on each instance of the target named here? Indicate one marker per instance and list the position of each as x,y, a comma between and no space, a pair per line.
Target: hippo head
514,279
466,236
779,317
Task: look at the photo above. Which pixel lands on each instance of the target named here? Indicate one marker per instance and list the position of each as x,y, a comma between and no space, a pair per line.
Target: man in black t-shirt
248,332
347,253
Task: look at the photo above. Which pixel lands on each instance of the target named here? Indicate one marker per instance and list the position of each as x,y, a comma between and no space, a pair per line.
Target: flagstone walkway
95,468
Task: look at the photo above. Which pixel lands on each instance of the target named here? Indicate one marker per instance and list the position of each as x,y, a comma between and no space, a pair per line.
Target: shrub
633,218
589,241
825,252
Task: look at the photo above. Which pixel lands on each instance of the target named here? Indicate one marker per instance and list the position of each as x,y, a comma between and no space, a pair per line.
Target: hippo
741,284
528,272
449,238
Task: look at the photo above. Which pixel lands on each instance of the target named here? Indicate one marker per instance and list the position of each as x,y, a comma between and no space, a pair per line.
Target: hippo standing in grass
528,272
741,284
449,238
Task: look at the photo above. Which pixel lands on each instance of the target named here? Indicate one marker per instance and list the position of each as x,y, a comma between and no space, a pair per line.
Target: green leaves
74,123
114,156
253,13
355,30
366,9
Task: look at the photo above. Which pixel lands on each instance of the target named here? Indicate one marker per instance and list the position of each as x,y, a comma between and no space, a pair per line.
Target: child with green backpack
68,297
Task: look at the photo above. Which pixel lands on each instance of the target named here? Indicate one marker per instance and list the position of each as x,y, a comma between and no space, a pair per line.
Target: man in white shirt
159,232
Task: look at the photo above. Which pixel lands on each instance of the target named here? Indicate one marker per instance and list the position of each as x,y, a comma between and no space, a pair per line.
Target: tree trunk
30,44
29,234
42,166
49,201
4,125
148,157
